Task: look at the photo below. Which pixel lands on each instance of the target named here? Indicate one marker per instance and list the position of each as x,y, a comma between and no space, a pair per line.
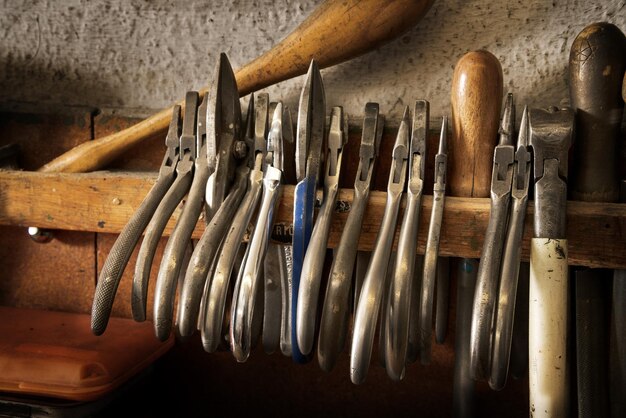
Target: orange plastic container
54,354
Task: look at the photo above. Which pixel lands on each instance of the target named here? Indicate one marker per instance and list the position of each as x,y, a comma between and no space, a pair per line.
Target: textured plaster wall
139,56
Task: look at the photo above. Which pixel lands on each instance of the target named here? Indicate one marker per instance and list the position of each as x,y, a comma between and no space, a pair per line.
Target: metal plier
215,292
487,280
124,245
509,271
309,139
336,310
396,313
371,295
429,275
249,278
313,263
221,120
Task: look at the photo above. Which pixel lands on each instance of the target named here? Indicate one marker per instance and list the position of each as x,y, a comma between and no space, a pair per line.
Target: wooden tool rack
86,211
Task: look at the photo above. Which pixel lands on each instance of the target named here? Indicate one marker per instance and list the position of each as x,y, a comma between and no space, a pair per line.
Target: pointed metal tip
443,137
522,138
403,130
507,125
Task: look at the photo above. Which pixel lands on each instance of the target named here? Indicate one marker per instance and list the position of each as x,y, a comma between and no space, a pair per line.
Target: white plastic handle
547,337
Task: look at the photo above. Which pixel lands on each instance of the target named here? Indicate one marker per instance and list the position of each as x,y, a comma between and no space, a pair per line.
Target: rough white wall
143,55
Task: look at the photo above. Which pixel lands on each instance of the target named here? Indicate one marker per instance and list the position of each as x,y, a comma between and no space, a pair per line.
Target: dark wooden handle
476,100
335,32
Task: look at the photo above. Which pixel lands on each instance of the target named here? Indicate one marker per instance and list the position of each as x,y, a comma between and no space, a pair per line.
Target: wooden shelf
104,201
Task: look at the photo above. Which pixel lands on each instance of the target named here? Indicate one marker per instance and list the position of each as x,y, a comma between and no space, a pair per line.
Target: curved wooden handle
336,31
476,102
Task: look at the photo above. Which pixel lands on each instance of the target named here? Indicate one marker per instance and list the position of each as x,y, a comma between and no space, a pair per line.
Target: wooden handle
476,102
335,32
596,67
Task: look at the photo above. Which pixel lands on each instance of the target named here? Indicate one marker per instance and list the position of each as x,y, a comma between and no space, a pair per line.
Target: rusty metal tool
213,303
488,276
309,140
427,292
511,257
550,133
336,309
313,264
596,67
120,253
368,307
476,100
249,279
396,313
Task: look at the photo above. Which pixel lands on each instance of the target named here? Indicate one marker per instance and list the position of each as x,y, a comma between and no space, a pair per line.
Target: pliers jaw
417,155
373,124
397,177
172,143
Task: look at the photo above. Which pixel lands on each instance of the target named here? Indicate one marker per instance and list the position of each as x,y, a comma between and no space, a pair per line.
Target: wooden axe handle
335,32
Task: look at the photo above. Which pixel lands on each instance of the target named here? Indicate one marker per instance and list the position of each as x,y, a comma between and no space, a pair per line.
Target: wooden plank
104,201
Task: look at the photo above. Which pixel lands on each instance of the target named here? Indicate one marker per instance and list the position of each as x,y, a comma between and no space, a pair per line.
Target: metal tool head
172,139
507,125
400,150
441,159
275,155
188,135
201,118
370,140
311,121
261,115
521,172
336,139
417,157
550,136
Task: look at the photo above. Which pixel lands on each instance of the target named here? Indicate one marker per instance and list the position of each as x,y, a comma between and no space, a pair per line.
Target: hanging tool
511,257
596,67
213,304
368,306
550,138
176,193
309,139
487,278
336,309
396,314
427,291
311,275
443,299
221,119
171,185
335,32
476,102
249,279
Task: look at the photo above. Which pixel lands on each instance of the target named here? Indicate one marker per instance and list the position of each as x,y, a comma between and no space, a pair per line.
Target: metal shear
372,292
249,279
396,313
216,287
432,246
310,136
509,273
220,121
336,310
485,294
313,263
122,249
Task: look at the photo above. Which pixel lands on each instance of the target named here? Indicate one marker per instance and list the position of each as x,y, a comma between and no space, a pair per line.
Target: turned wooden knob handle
476,102
336,31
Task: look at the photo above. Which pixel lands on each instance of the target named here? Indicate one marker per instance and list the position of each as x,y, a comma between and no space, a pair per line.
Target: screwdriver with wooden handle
476,100
335,32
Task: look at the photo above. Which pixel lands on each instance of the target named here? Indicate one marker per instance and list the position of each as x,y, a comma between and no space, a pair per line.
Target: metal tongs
249,279
371,295
174,179
336,310
509,272
396,314
309,139
221,119
432,246
487,280
313,264
213,303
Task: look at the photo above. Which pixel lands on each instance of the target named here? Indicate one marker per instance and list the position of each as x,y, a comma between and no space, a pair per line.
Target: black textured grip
151,239
119,255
